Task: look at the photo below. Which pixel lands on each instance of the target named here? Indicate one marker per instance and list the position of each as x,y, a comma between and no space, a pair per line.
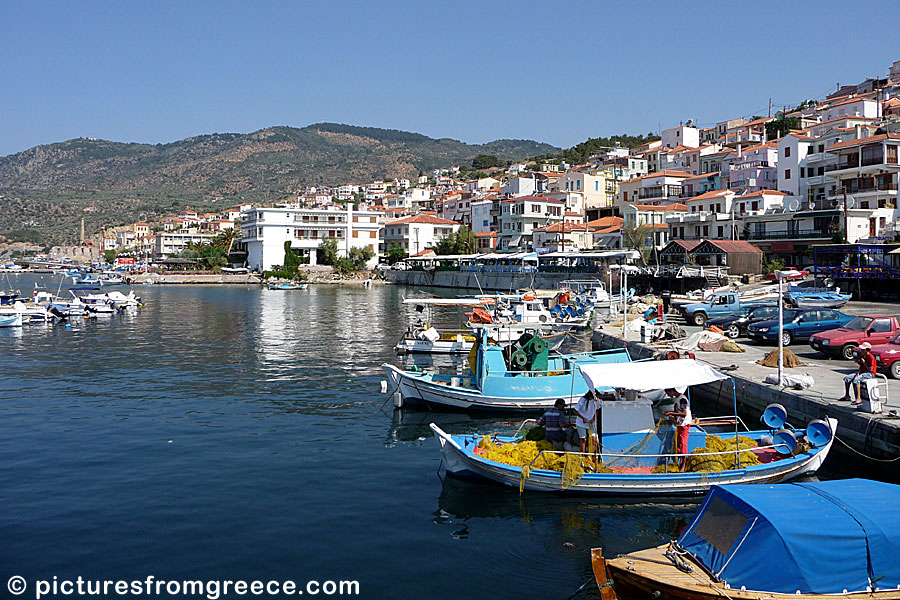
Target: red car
844,341
888,357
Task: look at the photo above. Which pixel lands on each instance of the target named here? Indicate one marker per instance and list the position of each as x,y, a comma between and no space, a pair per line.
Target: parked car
887,356
736,325
844,341
799,324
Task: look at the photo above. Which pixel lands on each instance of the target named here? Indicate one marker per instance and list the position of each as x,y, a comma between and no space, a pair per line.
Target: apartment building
752,169
520,216
416,233
265,231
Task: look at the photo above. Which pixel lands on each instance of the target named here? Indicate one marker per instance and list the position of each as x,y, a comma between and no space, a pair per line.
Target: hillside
49,188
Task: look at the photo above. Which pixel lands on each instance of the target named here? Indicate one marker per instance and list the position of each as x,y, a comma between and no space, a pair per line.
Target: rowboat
804,299
12,321
814,540
521,378
635,459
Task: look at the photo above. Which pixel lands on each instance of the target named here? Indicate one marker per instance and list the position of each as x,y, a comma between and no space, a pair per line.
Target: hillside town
823,172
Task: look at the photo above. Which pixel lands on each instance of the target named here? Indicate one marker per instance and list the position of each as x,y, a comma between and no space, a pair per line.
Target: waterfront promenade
861,434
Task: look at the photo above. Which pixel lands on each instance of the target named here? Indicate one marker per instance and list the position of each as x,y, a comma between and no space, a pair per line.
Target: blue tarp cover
828,537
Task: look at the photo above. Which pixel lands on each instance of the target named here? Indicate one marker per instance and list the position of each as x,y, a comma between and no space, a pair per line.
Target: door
872,227
880,331
828,319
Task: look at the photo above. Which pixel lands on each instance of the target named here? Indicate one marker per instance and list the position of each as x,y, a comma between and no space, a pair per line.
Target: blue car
799,324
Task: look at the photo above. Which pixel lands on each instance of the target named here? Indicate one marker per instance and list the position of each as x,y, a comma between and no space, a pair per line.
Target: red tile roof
687,244
761,193
734,246
710,195
865,140
423,219
567,227
673,206
606,222
486,234
533,199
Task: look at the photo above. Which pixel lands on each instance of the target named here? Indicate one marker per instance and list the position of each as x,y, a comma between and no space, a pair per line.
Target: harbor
249,411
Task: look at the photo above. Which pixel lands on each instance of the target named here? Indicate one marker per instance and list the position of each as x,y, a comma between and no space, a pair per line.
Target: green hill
49,188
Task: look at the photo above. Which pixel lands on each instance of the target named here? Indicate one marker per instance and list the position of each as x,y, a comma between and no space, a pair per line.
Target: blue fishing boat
520,377
824,539
635,459
812,297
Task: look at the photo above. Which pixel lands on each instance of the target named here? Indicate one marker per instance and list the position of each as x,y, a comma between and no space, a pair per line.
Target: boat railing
603,456
701,422
526,421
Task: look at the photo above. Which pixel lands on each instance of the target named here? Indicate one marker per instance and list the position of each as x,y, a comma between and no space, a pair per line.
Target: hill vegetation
46,190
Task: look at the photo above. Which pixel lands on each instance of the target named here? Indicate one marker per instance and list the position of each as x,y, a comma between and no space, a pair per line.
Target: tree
396,253
485,161
635,238
328,252
465,241
110,256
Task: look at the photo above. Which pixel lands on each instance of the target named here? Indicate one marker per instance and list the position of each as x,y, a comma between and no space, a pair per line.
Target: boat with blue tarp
635,458
799,540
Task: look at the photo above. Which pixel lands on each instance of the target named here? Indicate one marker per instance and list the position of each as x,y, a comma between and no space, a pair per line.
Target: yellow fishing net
722,462
525,453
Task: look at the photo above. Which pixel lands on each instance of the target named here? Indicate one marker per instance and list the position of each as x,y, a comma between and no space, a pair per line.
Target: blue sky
475,71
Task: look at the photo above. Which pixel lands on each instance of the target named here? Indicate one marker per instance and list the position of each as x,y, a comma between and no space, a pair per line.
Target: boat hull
420,388
462,463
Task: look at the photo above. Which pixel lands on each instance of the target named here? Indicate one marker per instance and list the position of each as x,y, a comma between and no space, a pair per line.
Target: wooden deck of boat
649,574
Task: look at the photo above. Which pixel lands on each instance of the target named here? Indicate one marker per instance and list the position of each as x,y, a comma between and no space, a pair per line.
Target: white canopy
649,375
593,255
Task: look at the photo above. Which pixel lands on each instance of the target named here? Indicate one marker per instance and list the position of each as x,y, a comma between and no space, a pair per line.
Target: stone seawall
872,435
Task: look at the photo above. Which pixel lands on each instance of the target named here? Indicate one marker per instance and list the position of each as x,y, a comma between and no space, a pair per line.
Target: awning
594,255
649,375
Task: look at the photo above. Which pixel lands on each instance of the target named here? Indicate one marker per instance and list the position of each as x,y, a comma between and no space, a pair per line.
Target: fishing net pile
525,454
771,359
701,459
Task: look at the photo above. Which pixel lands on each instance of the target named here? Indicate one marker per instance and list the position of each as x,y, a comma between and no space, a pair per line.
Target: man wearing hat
867,369
681,410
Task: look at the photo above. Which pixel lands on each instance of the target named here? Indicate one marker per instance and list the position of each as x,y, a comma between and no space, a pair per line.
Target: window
596,186
705,230
578,185
787,152
721,232
787,173
881,326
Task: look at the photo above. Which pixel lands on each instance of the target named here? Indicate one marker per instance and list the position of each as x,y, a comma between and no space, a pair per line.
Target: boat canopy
645,375
827,537
449,301
632,254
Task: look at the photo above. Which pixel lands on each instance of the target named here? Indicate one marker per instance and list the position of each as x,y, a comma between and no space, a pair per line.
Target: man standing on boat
586,413
681,411
553,421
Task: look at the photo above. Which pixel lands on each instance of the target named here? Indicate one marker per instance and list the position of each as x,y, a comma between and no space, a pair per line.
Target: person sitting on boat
554,420
586,413
868,367
681,411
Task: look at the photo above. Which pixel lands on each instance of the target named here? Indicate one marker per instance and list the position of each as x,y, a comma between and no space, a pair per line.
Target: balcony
797,234
851,163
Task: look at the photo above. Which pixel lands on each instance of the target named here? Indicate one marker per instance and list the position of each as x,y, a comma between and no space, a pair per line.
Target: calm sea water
233,432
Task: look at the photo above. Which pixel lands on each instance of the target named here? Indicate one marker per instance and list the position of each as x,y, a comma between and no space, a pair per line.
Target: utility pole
846,231
770,107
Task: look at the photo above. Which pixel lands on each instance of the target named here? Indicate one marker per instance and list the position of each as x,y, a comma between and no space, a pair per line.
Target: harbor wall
472,280
871,435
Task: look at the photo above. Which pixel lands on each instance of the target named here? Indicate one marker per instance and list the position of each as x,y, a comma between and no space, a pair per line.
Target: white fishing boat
111,278
30,312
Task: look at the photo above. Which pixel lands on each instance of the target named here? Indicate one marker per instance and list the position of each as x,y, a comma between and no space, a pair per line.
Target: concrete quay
869,435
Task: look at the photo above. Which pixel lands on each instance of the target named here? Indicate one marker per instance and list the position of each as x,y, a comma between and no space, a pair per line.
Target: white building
416,233
265,231
681,136
520,216
523,185
484,215
792,151
174,242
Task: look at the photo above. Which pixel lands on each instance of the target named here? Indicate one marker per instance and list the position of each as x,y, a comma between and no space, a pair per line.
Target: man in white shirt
681,411
586,414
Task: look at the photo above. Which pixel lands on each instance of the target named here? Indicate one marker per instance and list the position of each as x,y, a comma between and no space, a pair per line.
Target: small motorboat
822,539
287,286
11,321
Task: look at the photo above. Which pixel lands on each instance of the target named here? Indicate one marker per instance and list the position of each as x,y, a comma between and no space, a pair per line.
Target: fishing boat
111,278
520,377
635,460
30,312
824,539
287,286
94,304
